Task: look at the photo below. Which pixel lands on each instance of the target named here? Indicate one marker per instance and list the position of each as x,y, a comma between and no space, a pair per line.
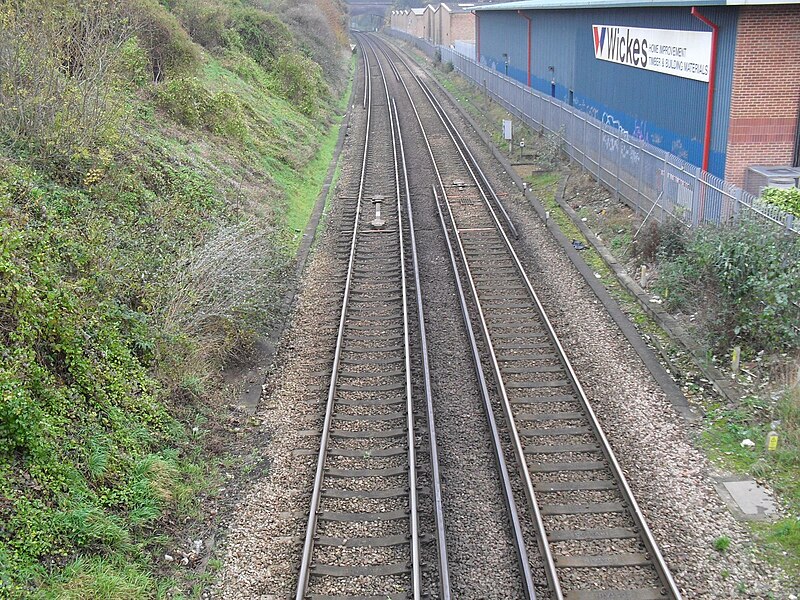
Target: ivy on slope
80,419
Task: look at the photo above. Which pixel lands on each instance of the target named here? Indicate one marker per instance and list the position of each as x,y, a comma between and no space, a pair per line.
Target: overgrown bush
320,33
661,241
78,409
218,298
300,82
743,281
169,47
190,103
61,75
787,200
263,36
207,23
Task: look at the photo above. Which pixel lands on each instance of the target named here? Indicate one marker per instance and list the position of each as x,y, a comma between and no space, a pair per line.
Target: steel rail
367,80
308,548
311,527
635,511
519,540
416,571
519,454
461,145
516,441
441,542
647,538
441,538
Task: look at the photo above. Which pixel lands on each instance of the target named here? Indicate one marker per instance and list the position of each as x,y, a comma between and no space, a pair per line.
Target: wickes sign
681,53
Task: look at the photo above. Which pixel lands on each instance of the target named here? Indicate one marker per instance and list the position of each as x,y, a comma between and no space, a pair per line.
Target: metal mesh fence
651,181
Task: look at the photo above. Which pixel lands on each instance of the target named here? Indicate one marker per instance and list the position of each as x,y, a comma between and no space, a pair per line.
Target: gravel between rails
670,478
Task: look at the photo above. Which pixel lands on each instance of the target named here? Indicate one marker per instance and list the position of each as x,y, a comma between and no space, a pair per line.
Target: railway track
591,535
362,537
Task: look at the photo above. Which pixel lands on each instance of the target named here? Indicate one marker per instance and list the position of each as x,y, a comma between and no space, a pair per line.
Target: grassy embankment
157,164
742,287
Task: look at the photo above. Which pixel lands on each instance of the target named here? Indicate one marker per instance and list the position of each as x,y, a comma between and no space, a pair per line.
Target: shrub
263,36
185,99
788,200
133,63
60,79
169,47
220,297
744,283
207,24
319,32
188,102
300,82
661,241
225,116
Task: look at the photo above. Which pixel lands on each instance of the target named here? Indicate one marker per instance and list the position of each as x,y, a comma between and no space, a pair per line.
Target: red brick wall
766,89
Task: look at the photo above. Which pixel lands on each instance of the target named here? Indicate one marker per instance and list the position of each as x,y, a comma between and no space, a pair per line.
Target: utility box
759,177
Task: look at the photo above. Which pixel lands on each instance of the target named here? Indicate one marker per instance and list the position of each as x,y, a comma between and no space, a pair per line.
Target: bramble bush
78,409
742,281
190,103
60,80
261,34
300,82
170,50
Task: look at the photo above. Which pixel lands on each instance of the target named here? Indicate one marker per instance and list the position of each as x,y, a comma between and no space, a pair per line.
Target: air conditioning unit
757,178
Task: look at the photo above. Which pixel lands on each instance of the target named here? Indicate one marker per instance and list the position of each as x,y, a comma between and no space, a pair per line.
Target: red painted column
712,71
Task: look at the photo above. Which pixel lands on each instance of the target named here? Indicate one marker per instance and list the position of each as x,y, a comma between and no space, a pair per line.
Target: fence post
641,177
663,188
698,197
583,143
619,162
599,151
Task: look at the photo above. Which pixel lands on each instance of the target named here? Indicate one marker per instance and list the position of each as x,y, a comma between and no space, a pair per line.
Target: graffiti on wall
618,141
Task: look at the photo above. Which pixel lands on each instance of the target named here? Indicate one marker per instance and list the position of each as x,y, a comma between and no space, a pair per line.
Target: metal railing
650,180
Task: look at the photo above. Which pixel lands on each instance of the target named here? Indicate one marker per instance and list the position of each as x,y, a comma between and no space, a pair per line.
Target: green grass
722,544
727,427
303,192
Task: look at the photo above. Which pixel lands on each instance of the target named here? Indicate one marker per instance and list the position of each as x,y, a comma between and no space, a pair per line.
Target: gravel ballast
670,478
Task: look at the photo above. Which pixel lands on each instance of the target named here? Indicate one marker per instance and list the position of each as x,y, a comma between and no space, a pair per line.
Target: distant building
410,21
452,22
447,23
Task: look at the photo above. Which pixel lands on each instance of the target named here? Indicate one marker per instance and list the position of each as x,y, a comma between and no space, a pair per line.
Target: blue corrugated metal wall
667,111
